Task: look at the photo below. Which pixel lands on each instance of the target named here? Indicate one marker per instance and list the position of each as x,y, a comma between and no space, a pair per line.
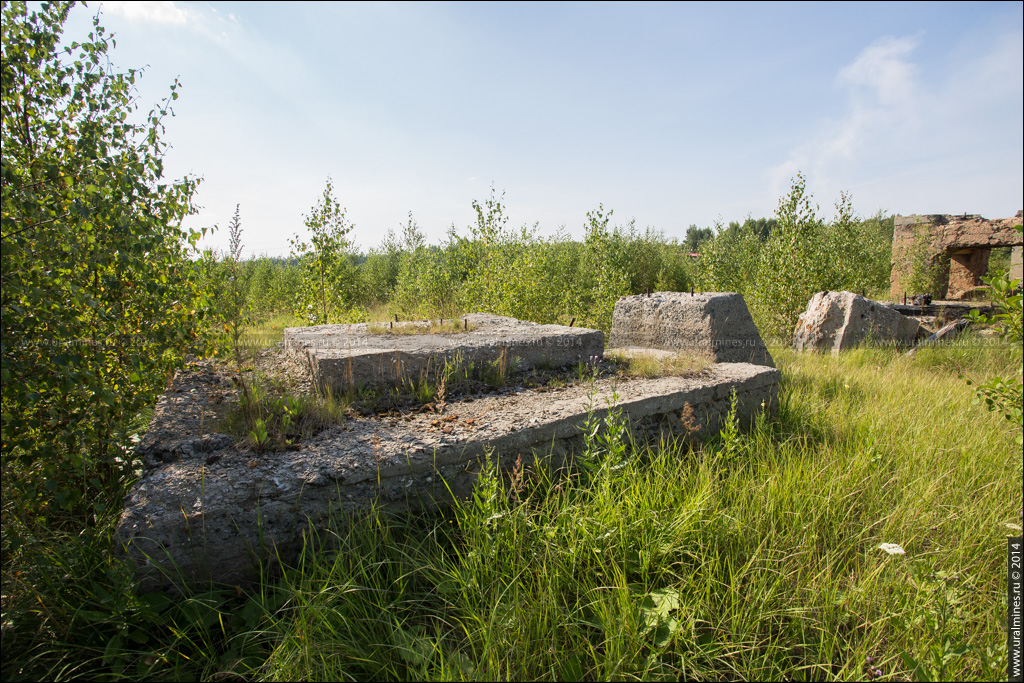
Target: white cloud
882,68
911,142
883,88
155,11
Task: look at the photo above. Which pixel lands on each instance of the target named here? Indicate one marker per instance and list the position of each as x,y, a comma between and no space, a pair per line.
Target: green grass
755,557
268,418
447,326
636,363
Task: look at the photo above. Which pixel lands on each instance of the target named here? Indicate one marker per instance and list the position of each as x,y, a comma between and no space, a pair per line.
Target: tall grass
754,556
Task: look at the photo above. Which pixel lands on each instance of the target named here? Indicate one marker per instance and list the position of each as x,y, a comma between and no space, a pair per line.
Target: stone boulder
717,323
837,321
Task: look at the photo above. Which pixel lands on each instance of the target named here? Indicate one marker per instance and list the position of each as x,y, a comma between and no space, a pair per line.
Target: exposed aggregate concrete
209,506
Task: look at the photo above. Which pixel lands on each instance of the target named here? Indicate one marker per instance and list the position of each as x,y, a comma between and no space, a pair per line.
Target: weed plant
268,418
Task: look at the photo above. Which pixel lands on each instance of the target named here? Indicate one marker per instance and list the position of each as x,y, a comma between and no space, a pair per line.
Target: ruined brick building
956,248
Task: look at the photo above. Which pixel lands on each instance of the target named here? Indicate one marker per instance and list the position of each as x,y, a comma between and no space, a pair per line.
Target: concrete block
353,355
715,323
208,509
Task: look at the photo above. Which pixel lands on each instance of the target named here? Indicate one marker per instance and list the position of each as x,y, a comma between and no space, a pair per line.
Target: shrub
328,274
778,265
925,271
100,298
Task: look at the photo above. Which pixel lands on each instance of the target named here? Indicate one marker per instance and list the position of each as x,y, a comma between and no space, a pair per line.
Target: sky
671,115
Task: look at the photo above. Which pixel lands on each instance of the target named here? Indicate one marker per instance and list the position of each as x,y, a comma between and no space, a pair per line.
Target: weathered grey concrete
715,323
350,355
837,321
206,509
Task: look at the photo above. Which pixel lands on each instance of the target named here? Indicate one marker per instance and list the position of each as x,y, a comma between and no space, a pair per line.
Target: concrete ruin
1016,264
715,323
956,247
346,356
839,321
208,507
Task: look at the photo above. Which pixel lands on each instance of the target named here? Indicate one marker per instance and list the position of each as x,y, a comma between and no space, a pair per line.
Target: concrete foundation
210,508
207,508
344,356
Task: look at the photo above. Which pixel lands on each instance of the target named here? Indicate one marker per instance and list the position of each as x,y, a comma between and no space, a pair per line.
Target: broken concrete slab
715,323
838,321
198,514
947,333
344,356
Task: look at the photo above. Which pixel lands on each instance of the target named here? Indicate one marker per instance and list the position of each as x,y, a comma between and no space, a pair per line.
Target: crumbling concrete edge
224,541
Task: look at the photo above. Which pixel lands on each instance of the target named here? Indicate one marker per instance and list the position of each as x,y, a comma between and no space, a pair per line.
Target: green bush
100,298
328,289
729,262
380,273
924,271
778,265
273,286
430,280
1002,394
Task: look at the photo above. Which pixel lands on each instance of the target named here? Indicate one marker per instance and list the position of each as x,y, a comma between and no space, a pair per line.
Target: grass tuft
653,363
447,326
269,418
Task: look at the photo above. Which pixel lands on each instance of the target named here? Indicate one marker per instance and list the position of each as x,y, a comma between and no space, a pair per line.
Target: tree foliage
779,264
1005,394
697,236
329,276
99,299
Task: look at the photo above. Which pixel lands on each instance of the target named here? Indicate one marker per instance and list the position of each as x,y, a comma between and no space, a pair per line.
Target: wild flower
893,548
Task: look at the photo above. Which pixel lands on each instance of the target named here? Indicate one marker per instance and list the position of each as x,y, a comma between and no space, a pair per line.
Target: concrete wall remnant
958,247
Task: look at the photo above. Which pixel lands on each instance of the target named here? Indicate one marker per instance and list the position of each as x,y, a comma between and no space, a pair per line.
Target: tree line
105,293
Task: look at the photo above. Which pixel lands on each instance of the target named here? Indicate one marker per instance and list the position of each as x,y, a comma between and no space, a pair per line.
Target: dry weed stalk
377,457
516,483
439,400
686,416
503,363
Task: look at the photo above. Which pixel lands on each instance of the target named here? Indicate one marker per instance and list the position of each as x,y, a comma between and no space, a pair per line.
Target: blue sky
669,114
